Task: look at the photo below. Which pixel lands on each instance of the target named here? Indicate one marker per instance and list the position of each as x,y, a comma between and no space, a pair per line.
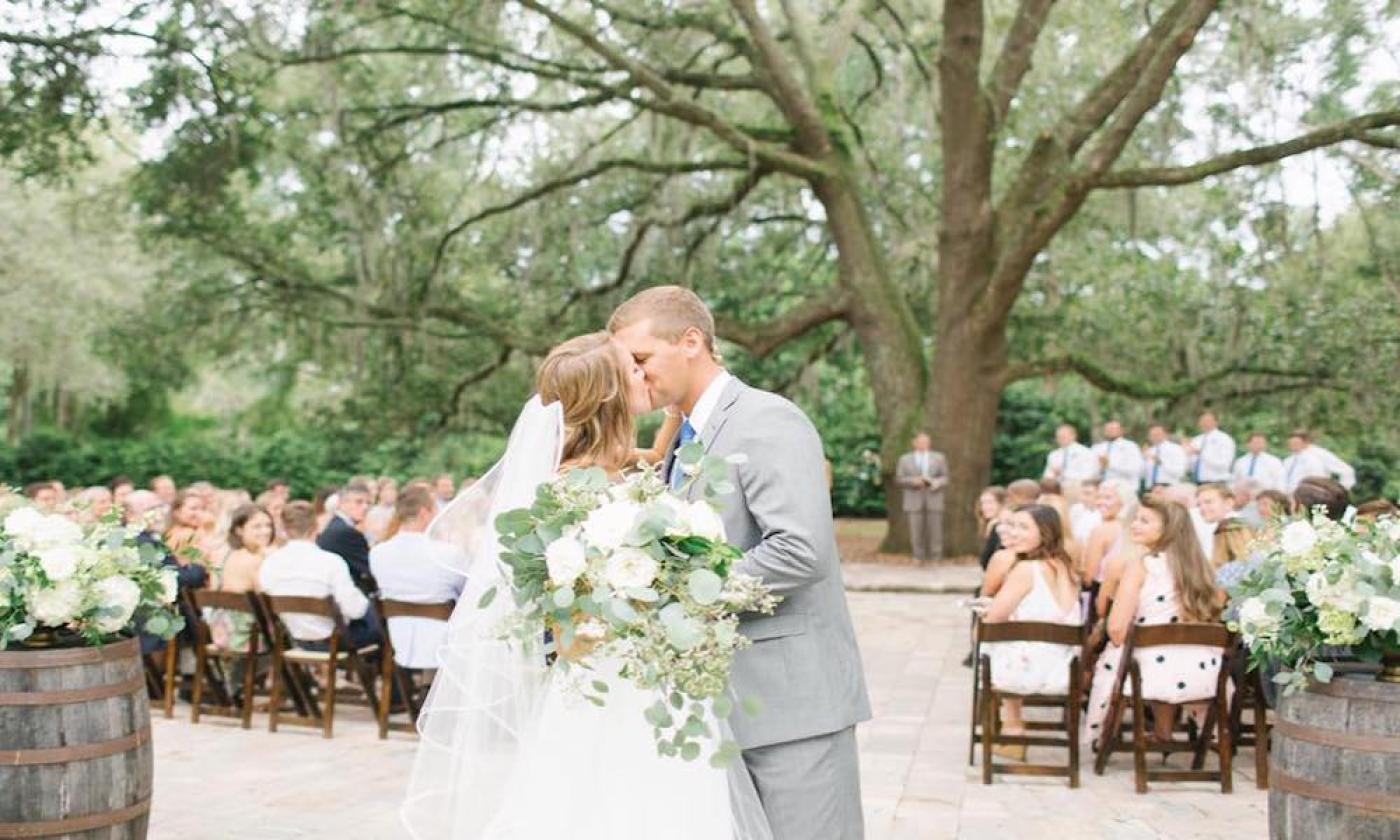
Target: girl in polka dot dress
1168,581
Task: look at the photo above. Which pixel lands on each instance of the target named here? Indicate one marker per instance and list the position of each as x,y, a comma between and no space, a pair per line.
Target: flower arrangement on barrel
631,571
1319,585
62,583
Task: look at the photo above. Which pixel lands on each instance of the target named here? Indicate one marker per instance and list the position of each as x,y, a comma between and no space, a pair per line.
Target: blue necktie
1156,465
678,474
1200,456
1252,460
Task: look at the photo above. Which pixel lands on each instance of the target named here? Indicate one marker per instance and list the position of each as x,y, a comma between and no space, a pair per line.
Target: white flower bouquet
1320,583
630,571
84,583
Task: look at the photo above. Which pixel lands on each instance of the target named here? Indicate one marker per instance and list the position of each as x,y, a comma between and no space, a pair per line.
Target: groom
803,666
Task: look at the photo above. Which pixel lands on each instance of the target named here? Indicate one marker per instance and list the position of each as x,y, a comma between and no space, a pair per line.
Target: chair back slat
300,604
1203,633
389,608
233,601
1030,631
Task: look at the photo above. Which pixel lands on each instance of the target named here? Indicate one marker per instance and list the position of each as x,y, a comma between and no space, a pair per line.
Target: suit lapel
720,415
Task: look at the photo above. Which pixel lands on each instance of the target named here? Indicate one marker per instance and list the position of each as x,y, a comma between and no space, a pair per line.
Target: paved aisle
215,780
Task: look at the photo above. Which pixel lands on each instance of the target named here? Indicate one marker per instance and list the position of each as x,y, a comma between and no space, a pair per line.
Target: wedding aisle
214,780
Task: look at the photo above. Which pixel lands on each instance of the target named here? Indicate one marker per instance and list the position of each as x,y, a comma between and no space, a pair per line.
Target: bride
507,750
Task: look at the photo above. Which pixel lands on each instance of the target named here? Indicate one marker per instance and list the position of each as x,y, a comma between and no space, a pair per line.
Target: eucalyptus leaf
704,586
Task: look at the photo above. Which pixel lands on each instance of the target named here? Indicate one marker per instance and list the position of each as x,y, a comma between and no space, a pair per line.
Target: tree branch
762,339
1166,176
475,377
1106,380
791,97
1380,141
1015,59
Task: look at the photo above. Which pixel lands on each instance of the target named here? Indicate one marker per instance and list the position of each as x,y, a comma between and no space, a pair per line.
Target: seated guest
144,510
1375,509
1313,493
121,487
273,503
444,489
1041,586
412,567
1171,583
342,535
1021,492
249,538
164,487
1246,492
1084,514
1231,536
1108,545
378,519
1073,547
92,504
989,506
324,503
43,494
184,533
1272,505
299,568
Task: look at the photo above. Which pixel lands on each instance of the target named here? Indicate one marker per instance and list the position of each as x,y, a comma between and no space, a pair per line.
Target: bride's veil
484,696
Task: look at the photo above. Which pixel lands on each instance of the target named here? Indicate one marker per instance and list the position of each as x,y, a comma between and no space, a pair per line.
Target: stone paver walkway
215,780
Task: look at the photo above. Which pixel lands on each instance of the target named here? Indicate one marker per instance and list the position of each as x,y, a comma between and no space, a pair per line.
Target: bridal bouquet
1321,583
59,577
634,571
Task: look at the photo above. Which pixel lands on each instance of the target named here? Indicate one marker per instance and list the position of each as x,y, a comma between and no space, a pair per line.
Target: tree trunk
890,340
969,368
17,420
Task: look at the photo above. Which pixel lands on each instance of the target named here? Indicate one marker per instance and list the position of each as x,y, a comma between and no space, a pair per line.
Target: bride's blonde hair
585,377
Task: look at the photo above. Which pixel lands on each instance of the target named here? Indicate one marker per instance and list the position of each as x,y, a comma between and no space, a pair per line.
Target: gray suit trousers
926,533
810,789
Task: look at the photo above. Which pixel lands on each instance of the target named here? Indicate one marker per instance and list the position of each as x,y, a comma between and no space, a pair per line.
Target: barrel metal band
65,657
73,695
1333,738
74,752
1385,804
14,831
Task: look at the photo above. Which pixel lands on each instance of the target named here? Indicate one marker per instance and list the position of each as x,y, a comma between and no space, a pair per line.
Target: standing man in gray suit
804,666
923,474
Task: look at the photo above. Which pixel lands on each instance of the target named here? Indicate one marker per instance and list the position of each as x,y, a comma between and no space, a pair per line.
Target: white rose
119,594
1395,529
630,568
56,605
1341,595
1381,614
591,630
565,560
1298,538
58,562
704,521
169,585
608,526
1255,620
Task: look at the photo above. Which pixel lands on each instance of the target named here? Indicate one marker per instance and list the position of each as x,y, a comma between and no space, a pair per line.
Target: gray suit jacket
916,495
804,666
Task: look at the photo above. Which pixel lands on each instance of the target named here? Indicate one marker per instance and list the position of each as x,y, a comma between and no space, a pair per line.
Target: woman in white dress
508,750
1041,586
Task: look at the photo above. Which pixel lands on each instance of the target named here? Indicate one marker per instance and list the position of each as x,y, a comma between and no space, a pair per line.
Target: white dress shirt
1170,467
1205,532
412,567
1082,522
1316,462
1215,455
705,406
301,569
1072,463
1124,460
1264,468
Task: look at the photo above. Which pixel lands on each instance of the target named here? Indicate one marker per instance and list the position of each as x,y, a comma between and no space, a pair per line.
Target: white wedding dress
509,751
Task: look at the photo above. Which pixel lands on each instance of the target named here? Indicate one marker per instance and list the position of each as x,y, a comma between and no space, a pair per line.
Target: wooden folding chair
1128,686
991,697
160,681
210,659
287,659
1249,694
407,680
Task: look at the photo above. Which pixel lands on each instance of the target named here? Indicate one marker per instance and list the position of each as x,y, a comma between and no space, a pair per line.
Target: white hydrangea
120,594
565,559
1298,538
630,568
56,605
59,562
1341,596
609,526
1382,614
169,585
33,530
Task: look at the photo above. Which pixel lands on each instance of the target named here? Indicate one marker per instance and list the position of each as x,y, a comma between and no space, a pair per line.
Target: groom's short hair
671,310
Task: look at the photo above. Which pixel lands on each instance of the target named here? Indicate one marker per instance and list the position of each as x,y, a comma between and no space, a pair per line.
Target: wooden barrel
75,743
1335,762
